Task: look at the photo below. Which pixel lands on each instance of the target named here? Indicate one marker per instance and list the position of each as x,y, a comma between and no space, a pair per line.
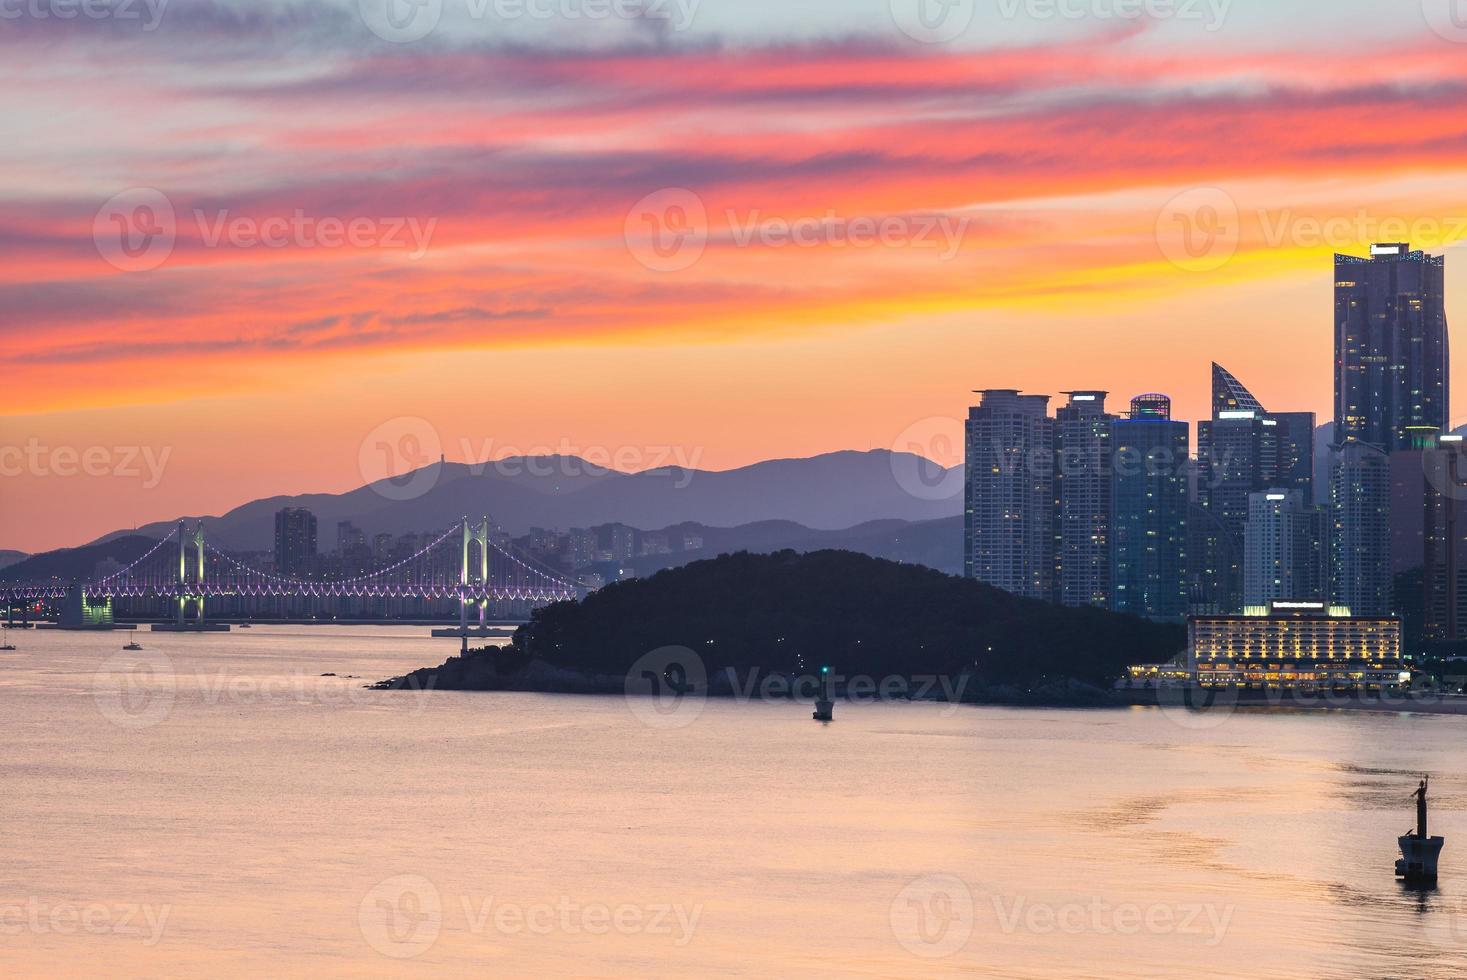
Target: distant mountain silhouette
77,564
824,493
8,558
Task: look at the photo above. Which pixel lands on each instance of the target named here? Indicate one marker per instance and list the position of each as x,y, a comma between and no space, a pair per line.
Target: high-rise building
1009,493
350,539
1283,552
1243,450
1391,348
1149,523
1082,488
295,540
1360,549
1429,531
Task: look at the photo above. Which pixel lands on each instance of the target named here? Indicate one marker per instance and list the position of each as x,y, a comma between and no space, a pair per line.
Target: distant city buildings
1360,537
1009,493
1392,355
295,540
1082,500
1241,451
1284,550
1149,521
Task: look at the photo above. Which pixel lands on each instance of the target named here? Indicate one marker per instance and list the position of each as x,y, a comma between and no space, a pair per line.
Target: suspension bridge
465,565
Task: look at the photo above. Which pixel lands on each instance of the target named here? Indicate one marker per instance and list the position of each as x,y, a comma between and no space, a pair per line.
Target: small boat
244,626
1419,850
133,644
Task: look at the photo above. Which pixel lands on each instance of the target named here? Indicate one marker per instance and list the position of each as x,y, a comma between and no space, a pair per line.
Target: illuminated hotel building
1297,645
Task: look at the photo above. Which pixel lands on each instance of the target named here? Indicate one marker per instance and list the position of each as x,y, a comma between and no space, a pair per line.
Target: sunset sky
1068,198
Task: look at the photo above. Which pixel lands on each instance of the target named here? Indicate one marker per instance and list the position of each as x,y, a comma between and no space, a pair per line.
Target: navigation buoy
1419,850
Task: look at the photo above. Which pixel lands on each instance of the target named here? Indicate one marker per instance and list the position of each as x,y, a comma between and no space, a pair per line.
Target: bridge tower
188,587
473,534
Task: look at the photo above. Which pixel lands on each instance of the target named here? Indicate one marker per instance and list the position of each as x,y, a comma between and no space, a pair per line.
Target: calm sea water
214,807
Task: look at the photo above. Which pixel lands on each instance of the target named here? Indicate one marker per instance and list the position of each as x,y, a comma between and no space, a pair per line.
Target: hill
788,613
77,564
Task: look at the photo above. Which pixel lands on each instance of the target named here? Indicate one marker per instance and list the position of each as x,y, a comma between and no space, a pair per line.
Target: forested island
790,614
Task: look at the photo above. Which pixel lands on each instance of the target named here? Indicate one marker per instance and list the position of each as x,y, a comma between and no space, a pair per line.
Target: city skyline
528,281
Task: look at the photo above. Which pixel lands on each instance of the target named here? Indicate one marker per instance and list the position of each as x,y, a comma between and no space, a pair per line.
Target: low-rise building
1295,645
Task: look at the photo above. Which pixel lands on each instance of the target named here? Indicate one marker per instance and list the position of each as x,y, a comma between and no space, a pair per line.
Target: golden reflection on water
225,810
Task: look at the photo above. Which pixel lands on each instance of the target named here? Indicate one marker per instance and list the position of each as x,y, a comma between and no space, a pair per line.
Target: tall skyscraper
1392,355
1009,496
1149,526
1082,487
1283,550
295,540
1429,530
1243,450
1360,550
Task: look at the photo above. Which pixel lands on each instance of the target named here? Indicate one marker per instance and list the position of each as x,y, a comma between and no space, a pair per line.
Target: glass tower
1391,348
